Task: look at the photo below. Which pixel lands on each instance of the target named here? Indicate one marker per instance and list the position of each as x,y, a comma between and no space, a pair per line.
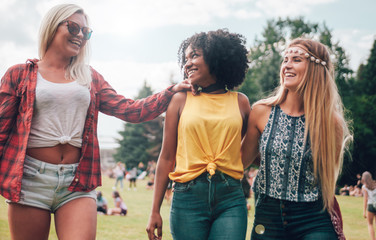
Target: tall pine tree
140,142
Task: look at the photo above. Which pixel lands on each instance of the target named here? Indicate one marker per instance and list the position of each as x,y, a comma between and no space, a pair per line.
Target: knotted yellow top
209,137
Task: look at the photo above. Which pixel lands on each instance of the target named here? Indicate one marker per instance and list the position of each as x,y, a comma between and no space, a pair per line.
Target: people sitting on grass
120,208
101,203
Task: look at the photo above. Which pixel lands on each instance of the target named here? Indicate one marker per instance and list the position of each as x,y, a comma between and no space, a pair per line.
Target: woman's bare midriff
59,154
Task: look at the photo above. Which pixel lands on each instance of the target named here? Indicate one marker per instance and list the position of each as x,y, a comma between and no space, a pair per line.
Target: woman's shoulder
22,66
95,74
242,97
261,108
179,98
260,114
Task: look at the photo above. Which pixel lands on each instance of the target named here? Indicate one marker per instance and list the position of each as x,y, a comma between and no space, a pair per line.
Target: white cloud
128,17
11,54
357,43
288,8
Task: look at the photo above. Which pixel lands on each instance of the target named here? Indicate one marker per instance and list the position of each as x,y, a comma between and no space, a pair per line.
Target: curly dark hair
224,53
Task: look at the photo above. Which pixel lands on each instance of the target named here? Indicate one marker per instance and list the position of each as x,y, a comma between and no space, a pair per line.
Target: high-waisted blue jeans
209,208
285,220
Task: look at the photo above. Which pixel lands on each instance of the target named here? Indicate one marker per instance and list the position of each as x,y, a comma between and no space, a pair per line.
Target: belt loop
42,167
222,175
208,176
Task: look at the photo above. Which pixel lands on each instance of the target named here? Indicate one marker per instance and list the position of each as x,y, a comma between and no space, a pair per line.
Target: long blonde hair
78,69
368,181
328,130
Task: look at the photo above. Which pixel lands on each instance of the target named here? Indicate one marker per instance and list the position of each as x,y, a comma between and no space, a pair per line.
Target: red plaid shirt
17,94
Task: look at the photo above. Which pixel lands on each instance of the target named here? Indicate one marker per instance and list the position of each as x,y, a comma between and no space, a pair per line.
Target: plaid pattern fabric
17,94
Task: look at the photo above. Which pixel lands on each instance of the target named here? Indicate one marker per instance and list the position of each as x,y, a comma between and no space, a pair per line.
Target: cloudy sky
137,40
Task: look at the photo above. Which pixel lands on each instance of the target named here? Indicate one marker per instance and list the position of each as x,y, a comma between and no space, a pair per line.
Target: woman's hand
182,86
185,86
155,223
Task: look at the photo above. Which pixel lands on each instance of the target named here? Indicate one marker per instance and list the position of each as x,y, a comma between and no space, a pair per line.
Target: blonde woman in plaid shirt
49,153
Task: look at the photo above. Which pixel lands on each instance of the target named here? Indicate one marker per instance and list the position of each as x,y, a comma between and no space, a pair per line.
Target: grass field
133,225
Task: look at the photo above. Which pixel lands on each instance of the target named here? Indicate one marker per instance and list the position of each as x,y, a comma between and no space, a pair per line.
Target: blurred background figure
119,172
132,176
101,203
120,207
369,210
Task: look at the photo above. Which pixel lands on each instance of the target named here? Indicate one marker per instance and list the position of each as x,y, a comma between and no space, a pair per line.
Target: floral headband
300,51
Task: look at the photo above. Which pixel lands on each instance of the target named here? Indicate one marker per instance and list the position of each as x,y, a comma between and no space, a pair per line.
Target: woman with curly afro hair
202,142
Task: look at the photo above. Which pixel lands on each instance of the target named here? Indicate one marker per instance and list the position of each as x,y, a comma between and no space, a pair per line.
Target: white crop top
59,116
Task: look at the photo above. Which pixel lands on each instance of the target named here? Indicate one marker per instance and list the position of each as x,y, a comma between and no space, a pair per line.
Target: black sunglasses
74,29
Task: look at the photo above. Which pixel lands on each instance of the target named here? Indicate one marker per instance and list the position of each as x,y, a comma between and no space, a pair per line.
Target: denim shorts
286,220
45,185
209,207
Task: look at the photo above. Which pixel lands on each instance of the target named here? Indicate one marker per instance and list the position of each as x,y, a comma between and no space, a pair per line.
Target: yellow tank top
209,137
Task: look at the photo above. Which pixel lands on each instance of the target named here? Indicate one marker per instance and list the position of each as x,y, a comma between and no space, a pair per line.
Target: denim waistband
217,177
262,198
49,167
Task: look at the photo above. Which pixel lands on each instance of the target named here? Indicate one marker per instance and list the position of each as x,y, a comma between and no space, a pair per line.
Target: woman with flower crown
300,135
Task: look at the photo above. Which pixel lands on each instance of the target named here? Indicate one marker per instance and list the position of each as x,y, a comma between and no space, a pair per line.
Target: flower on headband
306,54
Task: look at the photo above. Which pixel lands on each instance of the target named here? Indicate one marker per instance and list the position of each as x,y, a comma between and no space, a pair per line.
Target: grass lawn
133,225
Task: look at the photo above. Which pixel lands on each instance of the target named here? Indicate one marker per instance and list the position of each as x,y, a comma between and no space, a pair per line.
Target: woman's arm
165,165
129,110
365,200
118,202
256,124
245,109
9,103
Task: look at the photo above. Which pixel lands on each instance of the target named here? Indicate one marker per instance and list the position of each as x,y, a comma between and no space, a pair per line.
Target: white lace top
59,113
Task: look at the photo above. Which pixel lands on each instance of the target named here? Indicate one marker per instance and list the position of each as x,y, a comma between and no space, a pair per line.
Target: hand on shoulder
182,86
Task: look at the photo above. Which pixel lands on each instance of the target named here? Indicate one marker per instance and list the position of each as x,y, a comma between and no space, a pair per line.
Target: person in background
119,172
359,180
120,207
301,134
101,203
202,136
132,176
369,209
356,192
345,191
49,153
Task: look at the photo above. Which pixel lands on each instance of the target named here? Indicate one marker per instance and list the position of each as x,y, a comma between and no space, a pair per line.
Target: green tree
140,142
362,105
265,55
